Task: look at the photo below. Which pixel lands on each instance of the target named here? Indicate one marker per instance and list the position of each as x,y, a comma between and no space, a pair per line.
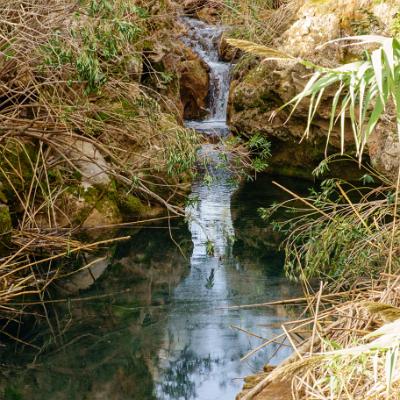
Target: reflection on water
200,344
163,332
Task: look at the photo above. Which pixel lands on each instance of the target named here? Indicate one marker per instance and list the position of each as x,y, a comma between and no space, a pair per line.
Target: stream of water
157,323
203,39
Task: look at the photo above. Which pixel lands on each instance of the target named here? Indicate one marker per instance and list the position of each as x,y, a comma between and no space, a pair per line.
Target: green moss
101,199
5,219
5,226
130,205
17,161
3,197
11,393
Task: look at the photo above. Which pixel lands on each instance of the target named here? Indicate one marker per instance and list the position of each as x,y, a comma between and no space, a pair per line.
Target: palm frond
364,88
259,50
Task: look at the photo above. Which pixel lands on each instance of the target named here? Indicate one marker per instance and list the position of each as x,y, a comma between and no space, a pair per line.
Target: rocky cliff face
259,88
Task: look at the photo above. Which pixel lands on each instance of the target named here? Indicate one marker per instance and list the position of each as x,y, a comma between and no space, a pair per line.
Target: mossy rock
131,206
93,207
5,226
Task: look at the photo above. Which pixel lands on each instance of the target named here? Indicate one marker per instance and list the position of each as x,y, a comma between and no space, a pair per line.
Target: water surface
156,324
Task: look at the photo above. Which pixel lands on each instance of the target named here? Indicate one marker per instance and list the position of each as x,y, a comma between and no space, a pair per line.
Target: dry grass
347,341
348,347
51,98
259,20
70,73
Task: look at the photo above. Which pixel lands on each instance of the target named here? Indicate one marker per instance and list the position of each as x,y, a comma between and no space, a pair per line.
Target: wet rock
194,85
188,87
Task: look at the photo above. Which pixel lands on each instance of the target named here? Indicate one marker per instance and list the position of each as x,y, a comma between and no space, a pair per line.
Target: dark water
162,331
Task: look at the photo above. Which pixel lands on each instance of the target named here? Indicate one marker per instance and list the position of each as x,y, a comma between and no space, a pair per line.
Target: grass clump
348,349
257,20
343,232
100,37
347,340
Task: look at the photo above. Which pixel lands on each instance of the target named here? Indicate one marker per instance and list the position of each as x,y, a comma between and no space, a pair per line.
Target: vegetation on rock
87,132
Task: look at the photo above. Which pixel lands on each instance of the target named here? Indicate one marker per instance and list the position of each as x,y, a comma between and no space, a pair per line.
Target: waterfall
203,39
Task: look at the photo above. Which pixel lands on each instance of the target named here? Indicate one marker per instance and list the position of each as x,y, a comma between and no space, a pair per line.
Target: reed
350,350
70,79
346,341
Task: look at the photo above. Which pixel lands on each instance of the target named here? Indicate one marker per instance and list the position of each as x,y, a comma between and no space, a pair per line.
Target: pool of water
155,322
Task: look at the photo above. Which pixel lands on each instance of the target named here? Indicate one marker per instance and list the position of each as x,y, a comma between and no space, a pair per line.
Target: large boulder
252,111
258,89
194,85
188,83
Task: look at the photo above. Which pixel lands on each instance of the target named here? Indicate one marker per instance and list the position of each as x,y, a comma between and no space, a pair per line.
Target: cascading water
203,39
203,344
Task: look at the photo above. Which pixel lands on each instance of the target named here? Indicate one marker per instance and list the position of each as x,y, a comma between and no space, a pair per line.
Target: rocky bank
95,135
259,88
